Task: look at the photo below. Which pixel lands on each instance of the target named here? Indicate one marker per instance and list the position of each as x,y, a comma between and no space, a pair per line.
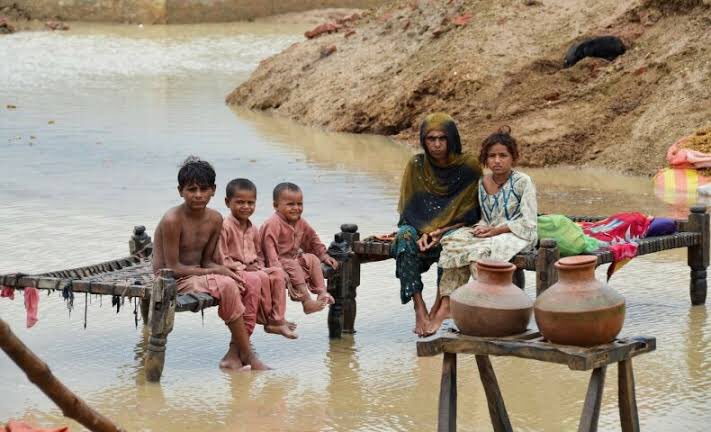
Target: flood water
104,116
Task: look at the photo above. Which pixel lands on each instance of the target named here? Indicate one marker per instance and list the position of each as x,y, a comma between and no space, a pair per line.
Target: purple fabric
661,226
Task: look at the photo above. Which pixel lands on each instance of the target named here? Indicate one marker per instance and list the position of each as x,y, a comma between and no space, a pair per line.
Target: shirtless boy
240,251
289,242
185,241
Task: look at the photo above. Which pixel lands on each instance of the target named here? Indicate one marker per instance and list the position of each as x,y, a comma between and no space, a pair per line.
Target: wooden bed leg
138,240
162,311
447,420
335,311
497,408
519,278
546,273
629,418
351,272
593,400
698,256
145,307
342,286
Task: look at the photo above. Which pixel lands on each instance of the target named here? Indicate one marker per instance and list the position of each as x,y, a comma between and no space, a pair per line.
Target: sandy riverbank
493,63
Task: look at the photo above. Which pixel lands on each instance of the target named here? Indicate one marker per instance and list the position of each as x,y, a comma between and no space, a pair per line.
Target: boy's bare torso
191,234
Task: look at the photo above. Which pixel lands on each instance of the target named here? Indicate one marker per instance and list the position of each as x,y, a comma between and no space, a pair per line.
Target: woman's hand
429,240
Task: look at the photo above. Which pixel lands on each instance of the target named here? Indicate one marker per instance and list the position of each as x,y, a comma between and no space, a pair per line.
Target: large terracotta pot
491,305
579,309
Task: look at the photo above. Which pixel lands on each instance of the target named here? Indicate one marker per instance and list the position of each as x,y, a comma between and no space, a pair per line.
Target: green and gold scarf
433,196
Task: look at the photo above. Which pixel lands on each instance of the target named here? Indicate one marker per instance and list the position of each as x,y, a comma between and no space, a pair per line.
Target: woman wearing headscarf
437,194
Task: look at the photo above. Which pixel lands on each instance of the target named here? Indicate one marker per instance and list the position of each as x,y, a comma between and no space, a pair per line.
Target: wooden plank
447,418
497,408
593,400
629,418
576,358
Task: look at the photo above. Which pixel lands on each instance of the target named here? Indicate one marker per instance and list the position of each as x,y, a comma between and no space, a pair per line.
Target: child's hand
224,271
236,266
485,231
331,261
326,298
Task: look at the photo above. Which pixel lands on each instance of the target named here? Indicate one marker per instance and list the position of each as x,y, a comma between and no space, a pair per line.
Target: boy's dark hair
196,171
502,136
281,187
239,184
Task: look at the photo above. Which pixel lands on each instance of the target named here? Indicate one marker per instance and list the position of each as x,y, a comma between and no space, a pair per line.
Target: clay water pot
579,309
491,305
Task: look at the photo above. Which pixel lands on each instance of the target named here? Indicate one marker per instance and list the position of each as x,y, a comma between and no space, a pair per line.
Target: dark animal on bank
607,47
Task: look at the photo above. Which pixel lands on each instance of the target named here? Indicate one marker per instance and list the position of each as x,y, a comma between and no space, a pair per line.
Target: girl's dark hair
239,184
281,187
196,171
501,136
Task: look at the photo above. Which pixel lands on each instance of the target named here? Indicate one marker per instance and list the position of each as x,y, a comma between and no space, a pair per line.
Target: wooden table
531,345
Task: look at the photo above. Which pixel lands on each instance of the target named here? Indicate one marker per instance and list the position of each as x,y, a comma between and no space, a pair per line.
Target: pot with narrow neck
491,305
579,309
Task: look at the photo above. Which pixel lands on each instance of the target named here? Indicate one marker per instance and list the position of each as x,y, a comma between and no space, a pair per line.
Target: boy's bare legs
240,353
422,320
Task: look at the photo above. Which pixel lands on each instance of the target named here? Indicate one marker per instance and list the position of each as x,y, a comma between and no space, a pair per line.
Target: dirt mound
492,63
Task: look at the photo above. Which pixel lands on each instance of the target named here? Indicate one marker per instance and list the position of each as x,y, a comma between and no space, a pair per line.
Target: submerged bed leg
698,256
145,307
162,316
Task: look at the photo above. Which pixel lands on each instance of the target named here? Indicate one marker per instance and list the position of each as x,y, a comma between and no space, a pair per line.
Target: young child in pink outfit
239,250
290,243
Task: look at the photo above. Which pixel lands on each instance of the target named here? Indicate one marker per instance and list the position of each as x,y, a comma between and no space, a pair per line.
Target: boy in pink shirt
239,250
290,243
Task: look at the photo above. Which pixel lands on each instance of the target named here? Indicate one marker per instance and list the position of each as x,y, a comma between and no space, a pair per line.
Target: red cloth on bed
620,234
31,302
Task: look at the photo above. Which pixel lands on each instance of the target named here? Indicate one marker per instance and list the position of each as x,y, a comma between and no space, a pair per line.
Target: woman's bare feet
281,329
422,321
310,306
325,297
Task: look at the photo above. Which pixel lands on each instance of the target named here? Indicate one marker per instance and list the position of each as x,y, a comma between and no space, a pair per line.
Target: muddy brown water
104,116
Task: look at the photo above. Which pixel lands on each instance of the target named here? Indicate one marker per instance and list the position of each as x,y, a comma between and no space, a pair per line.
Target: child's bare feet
310,306
231,359
281,329
257,364
291,325
436,321
325,297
